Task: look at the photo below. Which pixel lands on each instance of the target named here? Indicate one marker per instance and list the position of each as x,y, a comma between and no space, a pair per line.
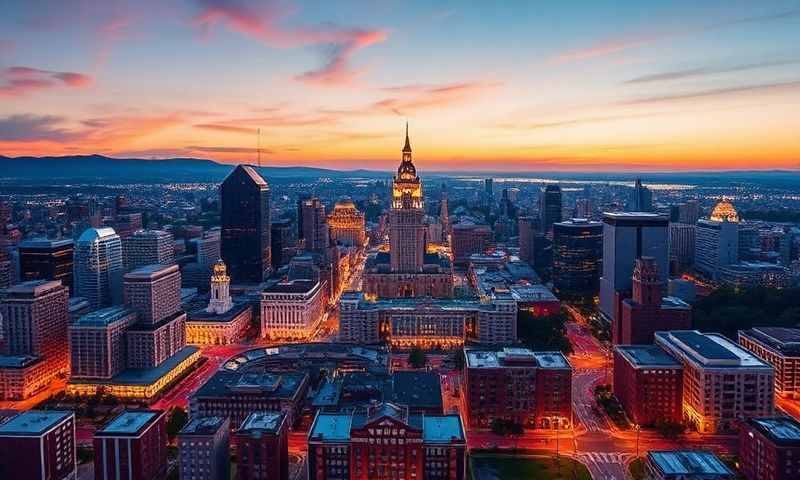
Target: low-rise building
648,383
769,448
722,382
204,449
780,347
292,309
38,445
262,445
386,441
685,465
132,446
533,389
235,395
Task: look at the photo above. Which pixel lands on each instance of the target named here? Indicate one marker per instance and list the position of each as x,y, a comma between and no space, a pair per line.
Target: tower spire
407,147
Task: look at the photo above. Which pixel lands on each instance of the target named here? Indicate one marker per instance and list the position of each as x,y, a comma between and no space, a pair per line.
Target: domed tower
220,290
406,217
725,212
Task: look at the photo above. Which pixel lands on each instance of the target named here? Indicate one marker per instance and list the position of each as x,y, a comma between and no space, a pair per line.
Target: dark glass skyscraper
245,205
44,259
577,256
550,207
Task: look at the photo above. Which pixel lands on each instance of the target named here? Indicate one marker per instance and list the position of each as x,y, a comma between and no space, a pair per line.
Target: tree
417,358
548,332
670,429
177,420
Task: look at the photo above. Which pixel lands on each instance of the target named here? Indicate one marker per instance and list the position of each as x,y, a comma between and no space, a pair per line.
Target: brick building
204,449
132,446
648,383
97,343
468,239
769,448
780,347
262,445
533,389
38,445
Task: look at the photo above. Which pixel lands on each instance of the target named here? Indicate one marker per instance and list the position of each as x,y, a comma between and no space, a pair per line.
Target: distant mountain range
96,168
99,167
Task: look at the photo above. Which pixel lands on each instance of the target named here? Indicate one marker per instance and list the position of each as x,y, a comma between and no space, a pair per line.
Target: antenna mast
259,148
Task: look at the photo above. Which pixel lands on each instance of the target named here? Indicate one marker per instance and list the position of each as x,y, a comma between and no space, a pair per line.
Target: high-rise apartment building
626,237
717,240
154,292
577,257
98,267
723,383
147,247
43,259
246,244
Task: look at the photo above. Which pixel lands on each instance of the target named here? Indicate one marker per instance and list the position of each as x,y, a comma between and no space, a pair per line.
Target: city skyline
633,87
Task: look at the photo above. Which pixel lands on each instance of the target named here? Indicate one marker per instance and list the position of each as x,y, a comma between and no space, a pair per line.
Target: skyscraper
406,217
550,207
626,237
347,224
44,259
527,236
717,240
642,200
147,247
577,256
314,226
98,267
246,244
444,215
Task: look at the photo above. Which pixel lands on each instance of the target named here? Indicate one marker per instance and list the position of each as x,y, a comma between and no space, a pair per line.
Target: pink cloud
20,81
417,97
264,24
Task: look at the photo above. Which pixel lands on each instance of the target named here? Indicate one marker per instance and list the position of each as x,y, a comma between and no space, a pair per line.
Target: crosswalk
604,457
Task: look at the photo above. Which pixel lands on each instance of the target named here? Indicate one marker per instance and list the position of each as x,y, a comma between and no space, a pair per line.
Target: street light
637,428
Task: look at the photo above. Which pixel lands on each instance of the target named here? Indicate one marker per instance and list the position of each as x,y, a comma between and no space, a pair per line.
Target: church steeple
407,147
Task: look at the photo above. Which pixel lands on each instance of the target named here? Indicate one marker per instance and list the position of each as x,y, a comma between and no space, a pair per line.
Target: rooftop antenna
259,148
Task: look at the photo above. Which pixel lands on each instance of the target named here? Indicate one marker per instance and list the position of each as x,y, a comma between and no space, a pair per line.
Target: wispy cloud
760,88
264,23
32,128
204,149
225,128
613,46
711,70
21,81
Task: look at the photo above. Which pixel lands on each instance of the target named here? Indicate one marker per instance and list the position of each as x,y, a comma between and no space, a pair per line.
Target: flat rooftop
33,422
203,426
782,340
532,293
103,317
149,272
782,430
130,423
515,357
293,286
147,376
267,384
442,429
709,349
33,287
18,361
689,462
46,243
647,356
331,427
260,421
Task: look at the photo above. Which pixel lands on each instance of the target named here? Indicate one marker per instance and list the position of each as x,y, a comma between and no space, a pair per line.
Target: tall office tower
97,343
550,207
689,212
577,257
44,259
246,244
717,240
6,269
444,215
583,208
315,225
35,317
220,301
347,224
204,449
147,247
642,200
469,238
488,191
682,245
406,217
154,292
132,446
527,236
262,442
98,267
38,445
626,237
283,241
647,312
206,248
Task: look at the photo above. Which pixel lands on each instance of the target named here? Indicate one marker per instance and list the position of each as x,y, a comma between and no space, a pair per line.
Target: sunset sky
514,86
